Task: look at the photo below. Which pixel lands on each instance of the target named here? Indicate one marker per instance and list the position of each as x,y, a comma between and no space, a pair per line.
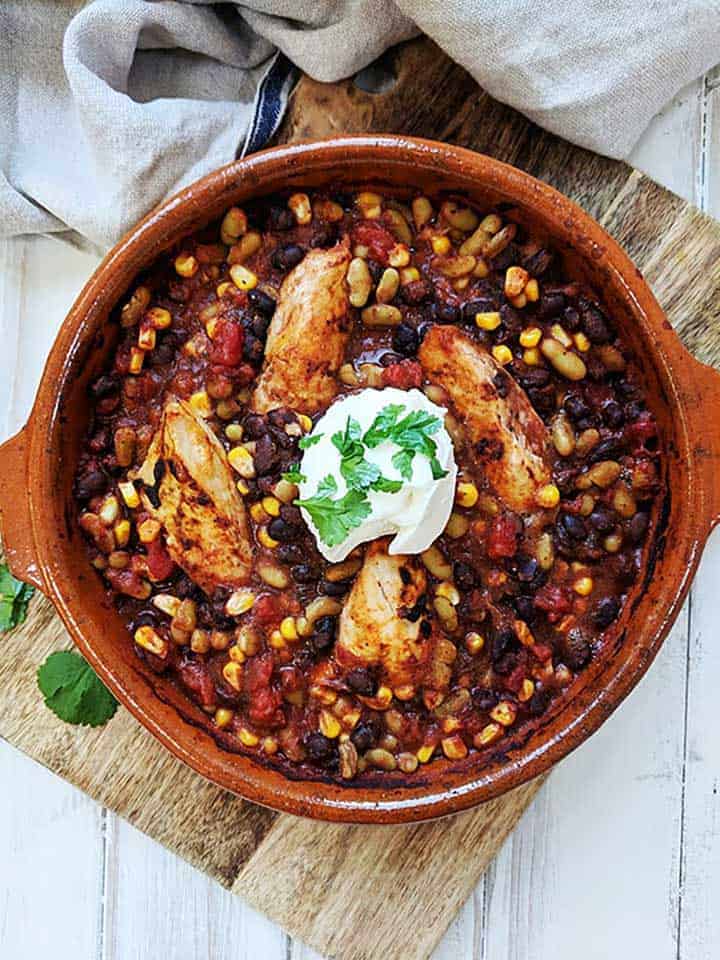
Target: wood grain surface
364,892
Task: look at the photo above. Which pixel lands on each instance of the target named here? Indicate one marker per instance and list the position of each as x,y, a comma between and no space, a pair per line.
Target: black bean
337,588
575,407
511,318
464,576
534,377
253,348
543,400
605,611
363,737
607,449
551,305
291,553
571,319
538,702
259,325
320,749
304,572
282,531
506,664
376,270
634,409
444,312
603,519
406,340
576,649
266,455
90,483
262,301
637,527
506,258
471,307
323,635
360,680
594,324
105,386
284,258
280,218
627,390
525,608
613,414
503,641
537,263
574,525
527,568
483,698
255,426
324,235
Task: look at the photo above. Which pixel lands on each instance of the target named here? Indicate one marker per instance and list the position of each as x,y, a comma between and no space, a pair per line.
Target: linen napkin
106,108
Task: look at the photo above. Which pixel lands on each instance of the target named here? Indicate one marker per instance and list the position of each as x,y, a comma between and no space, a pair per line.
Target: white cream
419,511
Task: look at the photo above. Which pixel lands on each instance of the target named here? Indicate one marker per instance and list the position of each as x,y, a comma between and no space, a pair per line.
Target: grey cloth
107,108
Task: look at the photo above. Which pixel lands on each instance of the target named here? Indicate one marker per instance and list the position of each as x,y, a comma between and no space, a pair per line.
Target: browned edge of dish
43,546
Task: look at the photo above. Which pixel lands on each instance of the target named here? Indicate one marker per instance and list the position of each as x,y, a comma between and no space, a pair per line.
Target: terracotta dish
44,546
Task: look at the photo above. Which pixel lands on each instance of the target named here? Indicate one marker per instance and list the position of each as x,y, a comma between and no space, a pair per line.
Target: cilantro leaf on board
73,691
293,474
334,519
309,441
14,599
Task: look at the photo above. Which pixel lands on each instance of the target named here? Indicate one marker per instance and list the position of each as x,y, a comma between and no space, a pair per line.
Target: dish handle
15,521
703,409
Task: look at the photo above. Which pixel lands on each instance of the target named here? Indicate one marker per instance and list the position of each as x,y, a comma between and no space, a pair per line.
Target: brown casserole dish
573,557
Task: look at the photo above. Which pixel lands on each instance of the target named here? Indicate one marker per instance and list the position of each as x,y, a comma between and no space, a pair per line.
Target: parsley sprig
14,599
333,517
413,434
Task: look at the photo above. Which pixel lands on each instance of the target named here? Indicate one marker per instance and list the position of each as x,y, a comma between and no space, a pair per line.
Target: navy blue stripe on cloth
270,102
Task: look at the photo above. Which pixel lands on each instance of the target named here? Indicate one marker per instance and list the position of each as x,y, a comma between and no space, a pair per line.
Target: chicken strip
307,337
507,436
381,624
195,498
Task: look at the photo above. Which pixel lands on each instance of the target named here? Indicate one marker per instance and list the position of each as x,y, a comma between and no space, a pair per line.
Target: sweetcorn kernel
266,540
241,460
474,643
449,591
440,245
248,738
488,321
548,496
454,747
425,752
466,494
530,337
201,404
233,674
159,318
288,628
271,506
186,265
222,288
532,290
148,531
122,532
137,358
257,512
277,640
581,342
147,337
223,717
532,357
243,278
526,690
151,641
329,725
583,586
299,203
239,602
305,422
504,713
502,353
129,494
487,735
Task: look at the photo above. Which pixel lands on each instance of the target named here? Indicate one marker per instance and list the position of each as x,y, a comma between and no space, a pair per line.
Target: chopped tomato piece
264,701
376,238
159,562
503,536
268,608
403,375
197,679
553,600
227,345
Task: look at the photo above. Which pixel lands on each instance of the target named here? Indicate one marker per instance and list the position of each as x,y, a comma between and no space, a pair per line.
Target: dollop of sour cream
419,510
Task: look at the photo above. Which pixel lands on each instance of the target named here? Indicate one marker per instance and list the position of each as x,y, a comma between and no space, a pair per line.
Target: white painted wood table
619,855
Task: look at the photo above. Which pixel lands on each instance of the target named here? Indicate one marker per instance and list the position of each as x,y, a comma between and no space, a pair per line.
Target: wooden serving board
361,893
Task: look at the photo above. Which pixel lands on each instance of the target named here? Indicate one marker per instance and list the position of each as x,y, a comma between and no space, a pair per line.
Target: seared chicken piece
307,337
379,626
508,438
196,500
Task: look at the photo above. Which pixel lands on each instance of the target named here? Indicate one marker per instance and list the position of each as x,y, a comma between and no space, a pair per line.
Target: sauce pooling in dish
278,379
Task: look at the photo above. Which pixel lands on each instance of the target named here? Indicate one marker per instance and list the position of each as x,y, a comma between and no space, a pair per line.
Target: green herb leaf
14,599
437,471
73,691
382,424
402,461
385,485
327,486
293,474
310,440
334,519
